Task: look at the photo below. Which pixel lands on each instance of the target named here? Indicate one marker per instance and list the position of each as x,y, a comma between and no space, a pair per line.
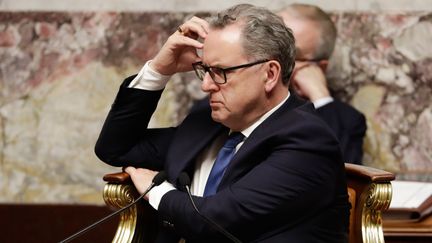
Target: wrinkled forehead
223,45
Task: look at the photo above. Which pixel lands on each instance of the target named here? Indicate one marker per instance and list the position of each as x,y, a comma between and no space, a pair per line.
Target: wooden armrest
368,173
373,194
137,224
118,178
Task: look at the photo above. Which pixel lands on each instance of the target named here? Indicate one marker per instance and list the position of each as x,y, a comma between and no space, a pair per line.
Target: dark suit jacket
285,184
349,126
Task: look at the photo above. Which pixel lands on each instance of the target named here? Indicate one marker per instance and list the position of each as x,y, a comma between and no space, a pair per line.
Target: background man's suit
349,126
285,184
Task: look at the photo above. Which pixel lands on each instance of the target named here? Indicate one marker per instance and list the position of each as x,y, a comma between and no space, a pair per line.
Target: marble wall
59,72
382,65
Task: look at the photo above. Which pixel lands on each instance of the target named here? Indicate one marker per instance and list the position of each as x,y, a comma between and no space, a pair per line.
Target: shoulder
300,113
339,114
299,121
300,131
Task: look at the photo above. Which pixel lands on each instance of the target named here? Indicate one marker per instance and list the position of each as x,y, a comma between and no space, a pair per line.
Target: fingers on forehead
191,42
201,21
196,28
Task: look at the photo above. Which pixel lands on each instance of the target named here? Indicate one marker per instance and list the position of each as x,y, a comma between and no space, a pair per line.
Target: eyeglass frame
207,69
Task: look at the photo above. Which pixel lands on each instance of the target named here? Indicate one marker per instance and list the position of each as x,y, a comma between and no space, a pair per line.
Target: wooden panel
53,223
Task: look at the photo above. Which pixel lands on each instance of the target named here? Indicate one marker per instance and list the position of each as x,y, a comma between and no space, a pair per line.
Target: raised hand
309,81
180,50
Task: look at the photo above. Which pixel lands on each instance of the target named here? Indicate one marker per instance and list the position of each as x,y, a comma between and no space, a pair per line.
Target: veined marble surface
60,71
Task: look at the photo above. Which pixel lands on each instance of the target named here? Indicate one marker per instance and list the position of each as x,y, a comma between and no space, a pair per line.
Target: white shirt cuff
149,79
322,102
156,194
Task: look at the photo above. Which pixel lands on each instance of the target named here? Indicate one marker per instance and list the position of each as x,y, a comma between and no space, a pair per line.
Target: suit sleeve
349,126
124,139
353,147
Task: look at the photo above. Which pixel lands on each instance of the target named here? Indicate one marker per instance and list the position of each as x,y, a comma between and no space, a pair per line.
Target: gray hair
265,35
324,23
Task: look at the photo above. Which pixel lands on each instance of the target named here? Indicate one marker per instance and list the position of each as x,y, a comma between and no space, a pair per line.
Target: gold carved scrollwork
375,200
118,196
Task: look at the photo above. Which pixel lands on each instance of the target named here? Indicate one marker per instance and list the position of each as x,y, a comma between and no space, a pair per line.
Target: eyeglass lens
216,74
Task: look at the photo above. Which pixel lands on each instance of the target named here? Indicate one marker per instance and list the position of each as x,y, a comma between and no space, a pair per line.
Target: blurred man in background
315,35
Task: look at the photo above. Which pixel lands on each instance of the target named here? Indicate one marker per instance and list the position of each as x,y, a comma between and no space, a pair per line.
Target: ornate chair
137,224
369,192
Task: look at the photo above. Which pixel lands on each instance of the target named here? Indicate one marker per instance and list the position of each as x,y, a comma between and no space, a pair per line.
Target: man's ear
323,65
273,75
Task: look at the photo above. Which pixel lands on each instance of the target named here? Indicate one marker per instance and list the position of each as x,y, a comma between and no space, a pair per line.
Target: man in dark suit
315,35
284,180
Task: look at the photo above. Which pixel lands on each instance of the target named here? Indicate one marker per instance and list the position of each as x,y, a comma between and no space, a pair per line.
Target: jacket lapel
248,156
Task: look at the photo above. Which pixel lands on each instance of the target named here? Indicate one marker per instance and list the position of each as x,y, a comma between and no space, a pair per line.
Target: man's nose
208,85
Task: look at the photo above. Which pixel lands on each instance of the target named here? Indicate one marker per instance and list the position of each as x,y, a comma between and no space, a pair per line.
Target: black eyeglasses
218,74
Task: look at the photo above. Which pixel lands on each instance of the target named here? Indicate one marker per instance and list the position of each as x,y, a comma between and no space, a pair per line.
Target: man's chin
217,117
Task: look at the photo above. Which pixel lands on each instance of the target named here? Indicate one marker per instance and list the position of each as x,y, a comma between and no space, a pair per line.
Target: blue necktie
222,160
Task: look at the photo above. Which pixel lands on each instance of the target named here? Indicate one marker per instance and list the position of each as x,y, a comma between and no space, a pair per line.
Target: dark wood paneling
53,223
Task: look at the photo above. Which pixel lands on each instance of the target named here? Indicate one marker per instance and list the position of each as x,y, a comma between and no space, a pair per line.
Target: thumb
130,170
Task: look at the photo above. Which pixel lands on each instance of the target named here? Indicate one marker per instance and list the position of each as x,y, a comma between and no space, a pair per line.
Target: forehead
223,45
300,26
306,34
